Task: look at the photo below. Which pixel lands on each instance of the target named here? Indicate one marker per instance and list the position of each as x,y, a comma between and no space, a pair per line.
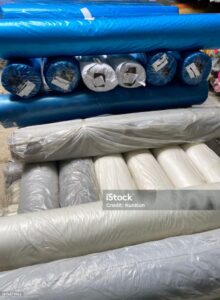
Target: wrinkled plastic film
39,188
12,172
77,182
13,193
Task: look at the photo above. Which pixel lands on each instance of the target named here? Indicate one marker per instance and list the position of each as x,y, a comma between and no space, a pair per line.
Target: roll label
193,71
26,88
160,63
61,83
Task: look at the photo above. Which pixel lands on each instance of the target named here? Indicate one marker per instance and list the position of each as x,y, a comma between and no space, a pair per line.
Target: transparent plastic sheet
39,188
115,134
77,182
25,38
85,103
153,270
205,160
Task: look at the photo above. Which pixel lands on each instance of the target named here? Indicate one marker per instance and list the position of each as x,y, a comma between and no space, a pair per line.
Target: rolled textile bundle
77,182
114,134
22,78
97,75
104,35
53,108
113,174
161,68
147,173
178,167
69,231
205,160
191,262
195,67
62,74
130,73
39,188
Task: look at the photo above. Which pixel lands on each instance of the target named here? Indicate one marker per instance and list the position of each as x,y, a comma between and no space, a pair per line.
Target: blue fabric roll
195,67
22,78
81,10
86,103
62,74
161,68
45,38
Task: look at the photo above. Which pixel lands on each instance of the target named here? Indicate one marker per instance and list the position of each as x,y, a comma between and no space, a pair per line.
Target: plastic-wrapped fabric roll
205,160
39,188
12,172
130,73
97,75
20,38
114,134
62,74
85,103
161,68
82,229
113,174
135,272
147,173
195,67
22,78
178,167
85,10
77,182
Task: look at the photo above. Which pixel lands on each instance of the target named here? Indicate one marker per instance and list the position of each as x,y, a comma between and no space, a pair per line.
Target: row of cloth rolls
28,77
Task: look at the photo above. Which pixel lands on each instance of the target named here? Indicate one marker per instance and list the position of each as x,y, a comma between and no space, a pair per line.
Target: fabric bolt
147,173
178,167
39,188
205,160
77,182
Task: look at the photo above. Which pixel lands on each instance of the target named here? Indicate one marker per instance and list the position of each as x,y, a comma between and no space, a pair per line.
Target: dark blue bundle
161,68
84,104
62,74
22,78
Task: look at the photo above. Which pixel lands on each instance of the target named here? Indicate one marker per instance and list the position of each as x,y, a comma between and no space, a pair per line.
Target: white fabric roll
82,229
97,75
113,174
206,161
147,173
178,167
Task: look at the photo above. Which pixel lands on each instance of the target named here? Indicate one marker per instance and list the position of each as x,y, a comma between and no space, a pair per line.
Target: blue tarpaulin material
84,104
44,38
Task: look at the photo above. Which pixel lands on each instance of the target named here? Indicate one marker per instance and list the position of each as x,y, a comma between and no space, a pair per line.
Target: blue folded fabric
22,78
195,67
84,104
62,74
161,68
45,38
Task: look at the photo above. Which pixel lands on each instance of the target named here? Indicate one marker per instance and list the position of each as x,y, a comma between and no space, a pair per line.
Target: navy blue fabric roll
195,67
161,68
69,37
22,78
87,103
62,74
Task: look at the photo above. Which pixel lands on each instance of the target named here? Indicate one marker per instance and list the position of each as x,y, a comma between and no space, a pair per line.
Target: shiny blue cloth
62,74
44,38
84,104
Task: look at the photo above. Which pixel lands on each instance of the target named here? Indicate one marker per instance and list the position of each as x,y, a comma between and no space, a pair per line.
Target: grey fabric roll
77,182
39,188
186,267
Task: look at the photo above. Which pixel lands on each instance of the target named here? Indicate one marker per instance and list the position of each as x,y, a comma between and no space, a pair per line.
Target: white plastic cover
178,167
115,134
77,182
147,173
206,161
186,267
113,174
39,188
82,229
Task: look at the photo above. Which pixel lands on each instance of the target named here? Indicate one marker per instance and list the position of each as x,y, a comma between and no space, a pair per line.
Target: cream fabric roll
113,174
206,160
147,173
178,166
